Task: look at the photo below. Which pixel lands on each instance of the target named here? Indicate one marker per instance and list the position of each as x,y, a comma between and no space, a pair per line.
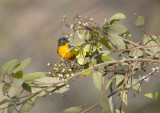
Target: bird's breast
62,51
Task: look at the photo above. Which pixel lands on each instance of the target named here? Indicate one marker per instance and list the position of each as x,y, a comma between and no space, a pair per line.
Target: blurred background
30,28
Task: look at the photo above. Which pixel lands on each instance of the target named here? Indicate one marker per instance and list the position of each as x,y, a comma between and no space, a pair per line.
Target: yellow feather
66,55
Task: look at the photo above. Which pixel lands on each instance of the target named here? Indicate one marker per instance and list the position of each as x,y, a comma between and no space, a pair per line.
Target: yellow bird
63,47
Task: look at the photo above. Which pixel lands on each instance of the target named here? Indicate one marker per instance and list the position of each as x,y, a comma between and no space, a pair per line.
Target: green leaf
134,81
87,34
79,44
61,88
124,94
26,87
46,81
6,87
87,48
32,76
149,42
155,96
136,52
116,17
105,103
98,80
11,107
83,35
140,21
106,58
84,54
109,83
99,45
117,29
87,72
17,95
104,41
29,104
111,105
4,101
80,58
22,65
119,80
105,53
86,66
80,36
94,48
18,75
8,66
36,90
17,83
0,74
117,41
77,109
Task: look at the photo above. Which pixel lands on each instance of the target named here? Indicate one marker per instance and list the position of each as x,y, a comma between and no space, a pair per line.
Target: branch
140,47
111,62
142,29
148,75
94,67
92,107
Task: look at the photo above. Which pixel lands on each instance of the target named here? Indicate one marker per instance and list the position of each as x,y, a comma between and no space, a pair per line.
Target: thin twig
142,29
139,47
148,75
92,107
93,67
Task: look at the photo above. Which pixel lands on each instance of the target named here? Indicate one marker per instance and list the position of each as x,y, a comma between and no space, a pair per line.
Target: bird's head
62,41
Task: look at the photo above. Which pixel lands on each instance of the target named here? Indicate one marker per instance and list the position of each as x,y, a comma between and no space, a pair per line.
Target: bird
63,49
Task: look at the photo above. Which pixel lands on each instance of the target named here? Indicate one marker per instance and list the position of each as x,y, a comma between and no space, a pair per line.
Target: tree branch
92,107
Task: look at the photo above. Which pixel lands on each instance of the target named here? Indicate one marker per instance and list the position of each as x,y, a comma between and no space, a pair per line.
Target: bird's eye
58,42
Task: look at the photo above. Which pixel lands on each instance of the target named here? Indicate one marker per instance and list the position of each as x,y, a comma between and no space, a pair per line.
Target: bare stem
92,107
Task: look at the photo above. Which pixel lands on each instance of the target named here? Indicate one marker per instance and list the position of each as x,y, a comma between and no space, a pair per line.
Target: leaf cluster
94,52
